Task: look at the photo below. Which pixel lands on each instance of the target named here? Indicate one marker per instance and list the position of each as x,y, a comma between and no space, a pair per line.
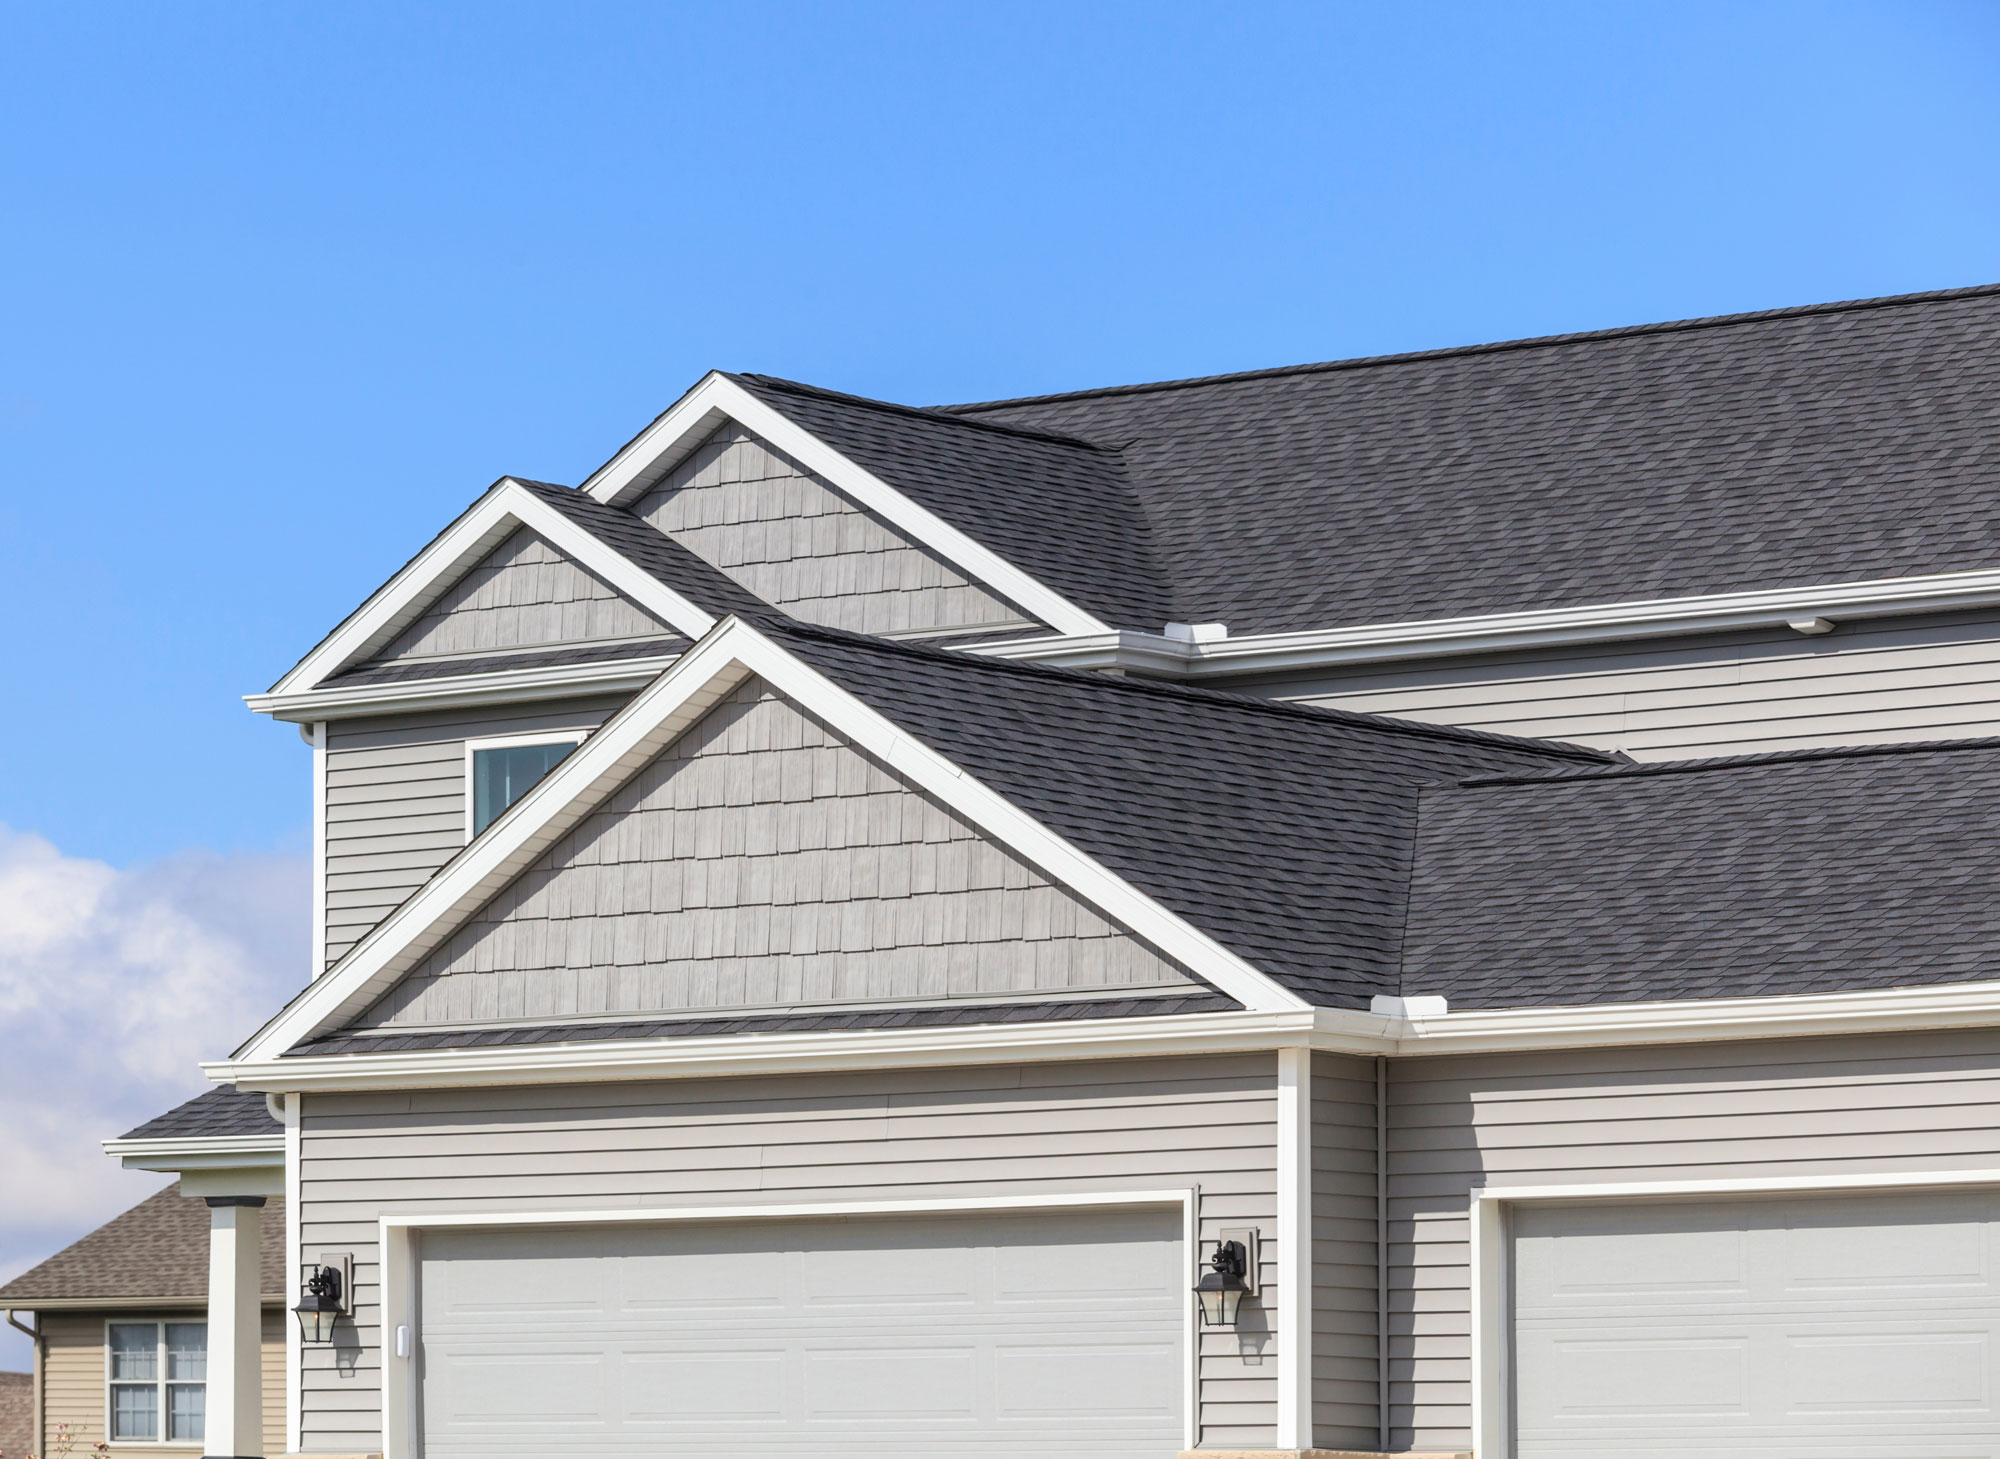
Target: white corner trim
506,506
1491,1271
399,1233
1295,1249
667,441
1829,604
318,952
659,714
294,1250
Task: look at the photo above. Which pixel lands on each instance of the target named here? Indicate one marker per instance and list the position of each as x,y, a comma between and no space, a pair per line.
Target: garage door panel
1030,1333
1808,1327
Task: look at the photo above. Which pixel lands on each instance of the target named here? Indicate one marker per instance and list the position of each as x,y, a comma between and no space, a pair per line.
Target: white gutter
505,687
1419,1033
200,1152
1809,611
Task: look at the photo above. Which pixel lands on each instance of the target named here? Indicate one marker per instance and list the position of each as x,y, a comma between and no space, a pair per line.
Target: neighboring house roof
224,1110
1791,447
1803,872
17,1412
153,1254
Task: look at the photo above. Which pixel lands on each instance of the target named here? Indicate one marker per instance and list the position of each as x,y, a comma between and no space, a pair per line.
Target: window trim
160,1381
509,742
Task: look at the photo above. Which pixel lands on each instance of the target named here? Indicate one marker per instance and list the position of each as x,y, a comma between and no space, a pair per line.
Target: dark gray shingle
224,1110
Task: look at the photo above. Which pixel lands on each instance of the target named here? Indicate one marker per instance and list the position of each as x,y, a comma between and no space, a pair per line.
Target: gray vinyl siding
1919,678
1883,1103
788,537
524,594
913,1134
761,862
1346,1403
395,801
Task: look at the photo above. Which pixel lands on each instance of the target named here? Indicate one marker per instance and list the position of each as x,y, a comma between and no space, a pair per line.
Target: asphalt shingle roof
1058,508
1808,872
1792,447
156,1251
224,1110
1282,831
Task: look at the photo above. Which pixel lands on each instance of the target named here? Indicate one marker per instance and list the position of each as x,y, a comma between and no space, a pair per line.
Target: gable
788,537
524,594
761,861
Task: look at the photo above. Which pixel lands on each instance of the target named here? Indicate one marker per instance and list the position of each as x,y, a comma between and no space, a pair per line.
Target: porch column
235,1422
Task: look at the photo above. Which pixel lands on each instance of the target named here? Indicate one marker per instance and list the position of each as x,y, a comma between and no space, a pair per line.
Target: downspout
1382,1253
35,1393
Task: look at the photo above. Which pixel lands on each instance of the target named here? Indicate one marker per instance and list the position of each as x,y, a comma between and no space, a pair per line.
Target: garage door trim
398,1246
1491,1273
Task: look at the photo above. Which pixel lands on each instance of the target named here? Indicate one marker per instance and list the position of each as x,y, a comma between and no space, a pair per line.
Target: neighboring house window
159,1382
501,771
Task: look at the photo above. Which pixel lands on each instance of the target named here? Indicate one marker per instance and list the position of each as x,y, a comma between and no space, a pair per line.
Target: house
121,1316
828,930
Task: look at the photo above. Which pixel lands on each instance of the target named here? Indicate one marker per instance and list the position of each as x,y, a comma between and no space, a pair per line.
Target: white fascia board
733,652
739,1055
1834,603
199,1152
669,439
460,691
454,552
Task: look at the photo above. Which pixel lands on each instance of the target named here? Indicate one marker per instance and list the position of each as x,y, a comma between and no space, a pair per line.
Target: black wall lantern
319,1305
1222,1287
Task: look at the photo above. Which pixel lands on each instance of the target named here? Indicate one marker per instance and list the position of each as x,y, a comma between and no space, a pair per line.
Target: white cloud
112,985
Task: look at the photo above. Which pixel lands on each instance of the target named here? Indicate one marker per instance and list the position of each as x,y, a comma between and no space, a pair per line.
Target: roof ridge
1530,342
1311,713
934,414
1714,763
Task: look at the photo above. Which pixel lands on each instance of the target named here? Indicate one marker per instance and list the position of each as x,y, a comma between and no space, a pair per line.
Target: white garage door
1052,1333
1856,1327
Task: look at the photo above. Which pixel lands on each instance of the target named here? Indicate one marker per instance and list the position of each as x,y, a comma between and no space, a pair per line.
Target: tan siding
524,594
395,791
762,862
1890,679
1892,1102
1345,1398
1160,1123
74,1377
788,537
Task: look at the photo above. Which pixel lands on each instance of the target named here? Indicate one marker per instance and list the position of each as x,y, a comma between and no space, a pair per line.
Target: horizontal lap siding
1887,1103
74,1377
1926,678
911,1135
1345,1396
788,537
395,813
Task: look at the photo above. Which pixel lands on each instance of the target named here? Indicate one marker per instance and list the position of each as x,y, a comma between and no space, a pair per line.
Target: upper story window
158,1378
501,771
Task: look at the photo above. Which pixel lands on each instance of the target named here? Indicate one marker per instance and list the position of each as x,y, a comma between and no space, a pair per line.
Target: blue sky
286,286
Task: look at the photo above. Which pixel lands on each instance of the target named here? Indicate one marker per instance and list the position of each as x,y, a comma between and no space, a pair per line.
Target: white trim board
462,691
399,1235
1328,1030
1491,1271
655,451
506,506
734,652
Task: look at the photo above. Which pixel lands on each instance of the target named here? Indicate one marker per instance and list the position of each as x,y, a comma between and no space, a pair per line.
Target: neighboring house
823,930
17,1409
121,1334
